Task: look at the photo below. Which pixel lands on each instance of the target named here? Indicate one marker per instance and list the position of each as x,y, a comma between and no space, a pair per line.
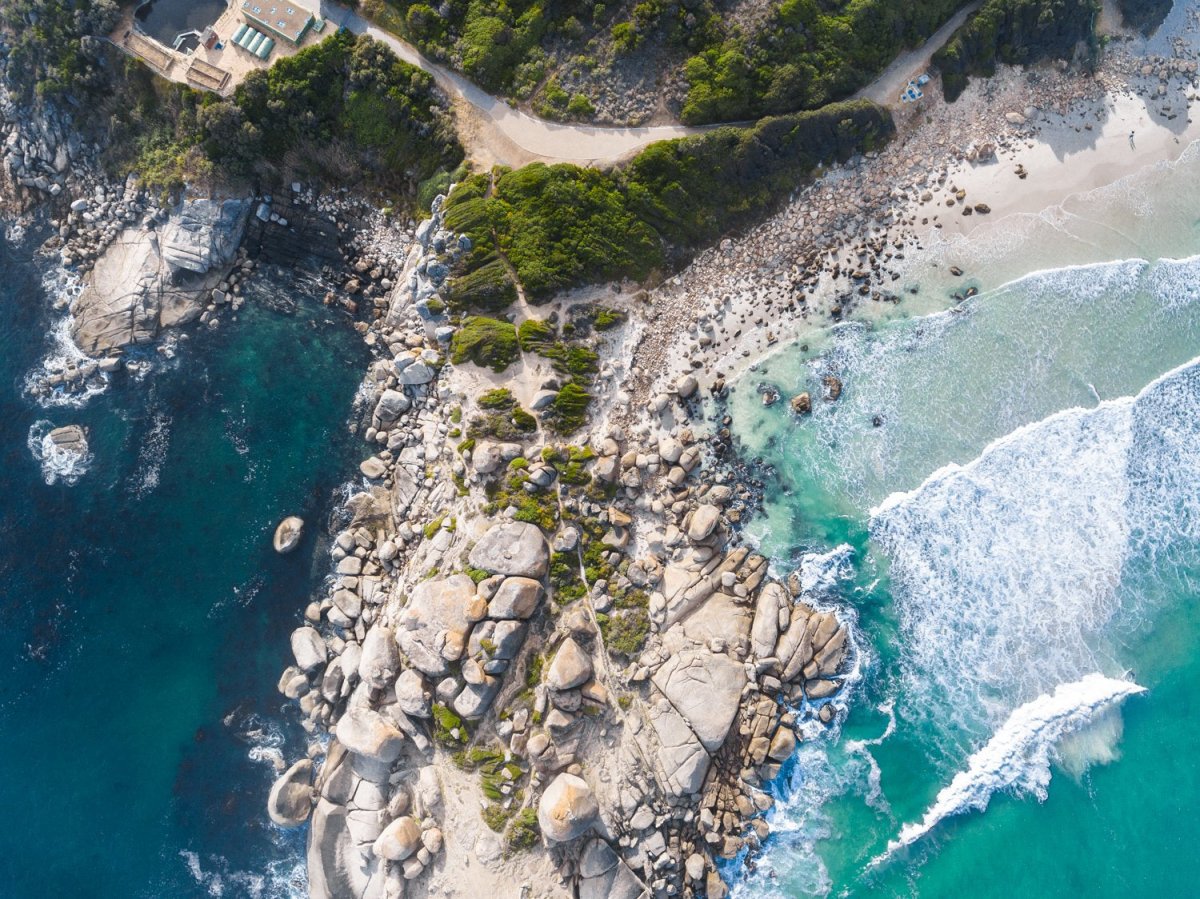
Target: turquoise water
144,616
1016,486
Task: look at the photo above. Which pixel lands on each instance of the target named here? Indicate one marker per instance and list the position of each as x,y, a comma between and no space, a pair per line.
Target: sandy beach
1023,142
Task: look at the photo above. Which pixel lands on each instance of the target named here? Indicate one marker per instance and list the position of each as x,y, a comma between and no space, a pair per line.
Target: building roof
287,18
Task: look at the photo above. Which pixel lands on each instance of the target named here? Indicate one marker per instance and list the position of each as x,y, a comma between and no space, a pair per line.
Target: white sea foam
1019,755
152,453
280,879
1008,573
62,357
58,464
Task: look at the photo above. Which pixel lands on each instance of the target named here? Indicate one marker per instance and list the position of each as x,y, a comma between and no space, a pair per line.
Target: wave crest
1019,755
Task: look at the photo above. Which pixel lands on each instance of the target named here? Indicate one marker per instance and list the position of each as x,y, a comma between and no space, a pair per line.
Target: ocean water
143,613
1017,480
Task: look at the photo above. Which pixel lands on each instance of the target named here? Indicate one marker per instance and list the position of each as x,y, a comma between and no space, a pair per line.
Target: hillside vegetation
562,226
345,109
1014,31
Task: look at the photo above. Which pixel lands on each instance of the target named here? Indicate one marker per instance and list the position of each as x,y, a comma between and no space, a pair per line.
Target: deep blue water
144,616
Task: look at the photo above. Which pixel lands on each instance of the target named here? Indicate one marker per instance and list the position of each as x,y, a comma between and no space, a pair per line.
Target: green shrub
496,816
607,318
524,832
444,723
496,398
1013,31
487,342
535,335
625,631
568,412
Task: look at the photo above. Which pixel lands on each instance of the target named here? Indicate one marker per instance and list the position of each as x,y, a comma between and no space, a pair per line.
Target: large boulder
411,694
380,660
704,521
765,631
399,840
203,234
367,733
514,548
309,648
288,534
517,597
572,667
705,688
433,627
567,809
291,797
392,404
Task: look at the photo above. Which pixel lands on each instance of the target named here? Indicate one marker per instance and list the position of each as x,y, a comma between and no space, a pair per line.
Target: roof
287,18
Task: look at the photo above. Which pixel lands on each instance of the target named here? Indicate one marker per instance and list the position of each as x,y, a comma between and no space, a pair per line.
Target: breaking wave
1019,755
281,879
1039,547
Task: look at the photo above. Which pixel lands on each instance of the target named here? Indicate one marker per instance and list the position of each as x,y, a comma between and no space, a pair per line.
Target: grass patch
487,342
524,832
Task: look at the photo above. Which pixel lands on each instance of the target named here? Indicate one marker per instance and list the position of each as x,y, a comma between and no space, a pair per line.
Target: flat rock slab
705,688
514,548
435,622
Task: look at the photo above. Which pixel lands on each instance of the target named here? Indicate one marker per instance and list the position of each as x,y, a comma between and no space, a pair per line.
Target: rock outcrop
288,534
567,809
291,798
148,280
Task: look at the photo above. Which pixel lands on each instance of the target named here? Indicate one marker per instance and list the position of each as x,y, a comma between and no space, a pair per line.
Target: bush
487,342
524,832
497,398
568,412
535,335
625,631
445,723
1013,31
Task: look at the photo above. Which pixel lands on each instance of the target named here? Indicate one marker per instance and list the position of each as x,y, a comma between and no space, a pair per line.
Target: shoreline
468,641
873,214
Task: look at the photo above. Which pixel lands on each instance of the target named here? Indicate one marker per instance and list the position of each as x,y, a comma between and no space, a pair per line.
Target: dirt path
886,89
494,132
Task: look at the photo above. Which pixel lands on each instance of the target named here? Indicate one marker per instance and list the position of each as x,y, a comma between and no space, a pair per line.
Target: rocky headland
542,662
540,656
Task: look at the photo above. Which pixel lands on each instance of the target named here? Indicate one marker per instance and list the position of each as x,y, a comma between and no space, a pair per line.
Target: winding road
493,132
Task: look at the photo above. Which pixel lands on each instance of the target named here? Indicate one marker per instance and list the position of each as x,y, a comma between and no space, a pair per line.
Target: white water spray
1019,755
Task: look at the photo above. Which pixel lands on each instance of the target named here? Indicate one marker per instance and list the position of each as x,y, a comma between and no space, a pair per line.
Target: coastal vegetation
54,53
805,55
1014,31
345,110
563,226
488,342
1144,15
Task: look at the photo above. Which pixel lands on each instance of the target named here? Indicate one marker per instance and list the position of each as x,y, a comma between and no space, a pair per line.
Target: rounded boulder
567,809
